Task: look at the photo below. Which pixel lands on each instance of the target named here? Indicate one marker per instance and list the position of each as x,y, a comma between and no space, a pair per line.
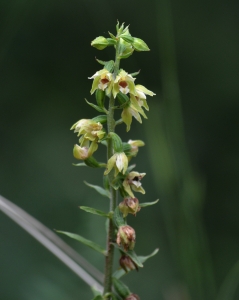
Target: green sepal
93,163
94,211
100,109
131,254
122,98
99,189
117,142
118,218
101,61
102,119
128,38
148,203
121,288
84,241
142,259
111,42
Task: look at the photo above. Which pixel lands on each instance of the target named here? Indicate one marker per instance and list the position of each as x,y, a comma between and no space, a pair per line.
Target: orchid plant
115,88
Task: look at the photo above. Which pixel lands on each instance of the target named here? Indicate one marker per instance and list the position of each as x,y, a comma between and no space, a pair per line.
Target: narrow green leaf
148,203
142,259
118,218
101,61
84,241
80,165
95,106
121,288
95,292
99,189
131,254
94,211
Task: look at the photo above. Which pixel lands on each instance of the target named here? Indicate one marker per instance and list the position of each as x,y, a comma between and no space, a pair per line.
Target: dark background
191,135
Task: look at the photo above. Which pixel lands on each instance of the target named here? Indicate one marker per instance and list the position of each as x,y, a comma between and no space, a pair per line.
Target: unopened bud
80,152
126,237
100,43
140,45
130,205
127,264
132,297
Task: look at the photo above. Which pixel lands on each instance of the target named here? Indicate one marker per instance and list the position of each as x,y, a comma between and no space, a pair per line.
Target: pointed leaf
142,259
119,273
148,203
102,119
80,165
118,218
131,254
95,106
98,297
121,288
94,211
99,189
84,241
109,65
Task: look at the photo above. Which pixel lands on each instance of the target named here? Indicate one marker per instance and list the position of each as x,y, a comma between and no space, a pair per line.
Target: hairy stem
113,192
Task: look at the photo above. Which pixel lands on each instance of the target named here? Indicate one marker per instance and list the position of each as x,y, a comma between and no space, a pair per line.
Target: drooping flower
127,263
124,83
119,162
85,150
90,129
129,205
102,80
126,237
132,297
141,93
135,146
132,182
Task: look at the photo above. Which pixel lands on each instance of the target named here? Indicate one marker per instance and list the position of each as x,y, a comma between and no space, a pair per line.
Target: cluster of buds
118,85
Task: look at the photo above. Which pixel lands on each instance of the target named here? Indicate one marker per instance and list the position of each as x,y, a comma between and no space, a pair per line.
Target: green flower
132,182
141,93
102,80
124,83
91,130
119,162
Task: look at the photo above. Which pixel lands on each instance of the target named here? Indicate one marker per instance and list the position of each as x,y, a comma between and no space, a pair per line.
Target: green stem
113,192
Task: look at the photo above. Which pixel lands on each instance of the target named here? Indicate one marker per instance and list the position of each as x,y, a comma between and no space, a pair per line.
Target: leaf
119,273
109,65
95,292
84,241
80,165
98,297
148,203
121,288
130,168
94,211
95,106
99,189
131,254
118,218
142,259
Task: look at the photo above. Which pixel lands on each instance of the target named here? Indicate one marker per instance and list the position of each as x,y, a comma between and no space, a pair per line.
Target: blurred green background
191,154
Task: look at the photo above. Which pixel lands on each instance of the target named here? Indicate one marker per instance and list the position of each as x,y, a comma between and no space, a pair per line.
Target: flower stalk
118,86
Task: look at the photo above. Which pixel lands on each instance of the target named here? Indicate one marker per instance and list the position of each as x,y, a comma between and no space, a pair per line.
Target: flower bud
140,45
126,237
132,297
80,152
130,205
127,264
100,43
